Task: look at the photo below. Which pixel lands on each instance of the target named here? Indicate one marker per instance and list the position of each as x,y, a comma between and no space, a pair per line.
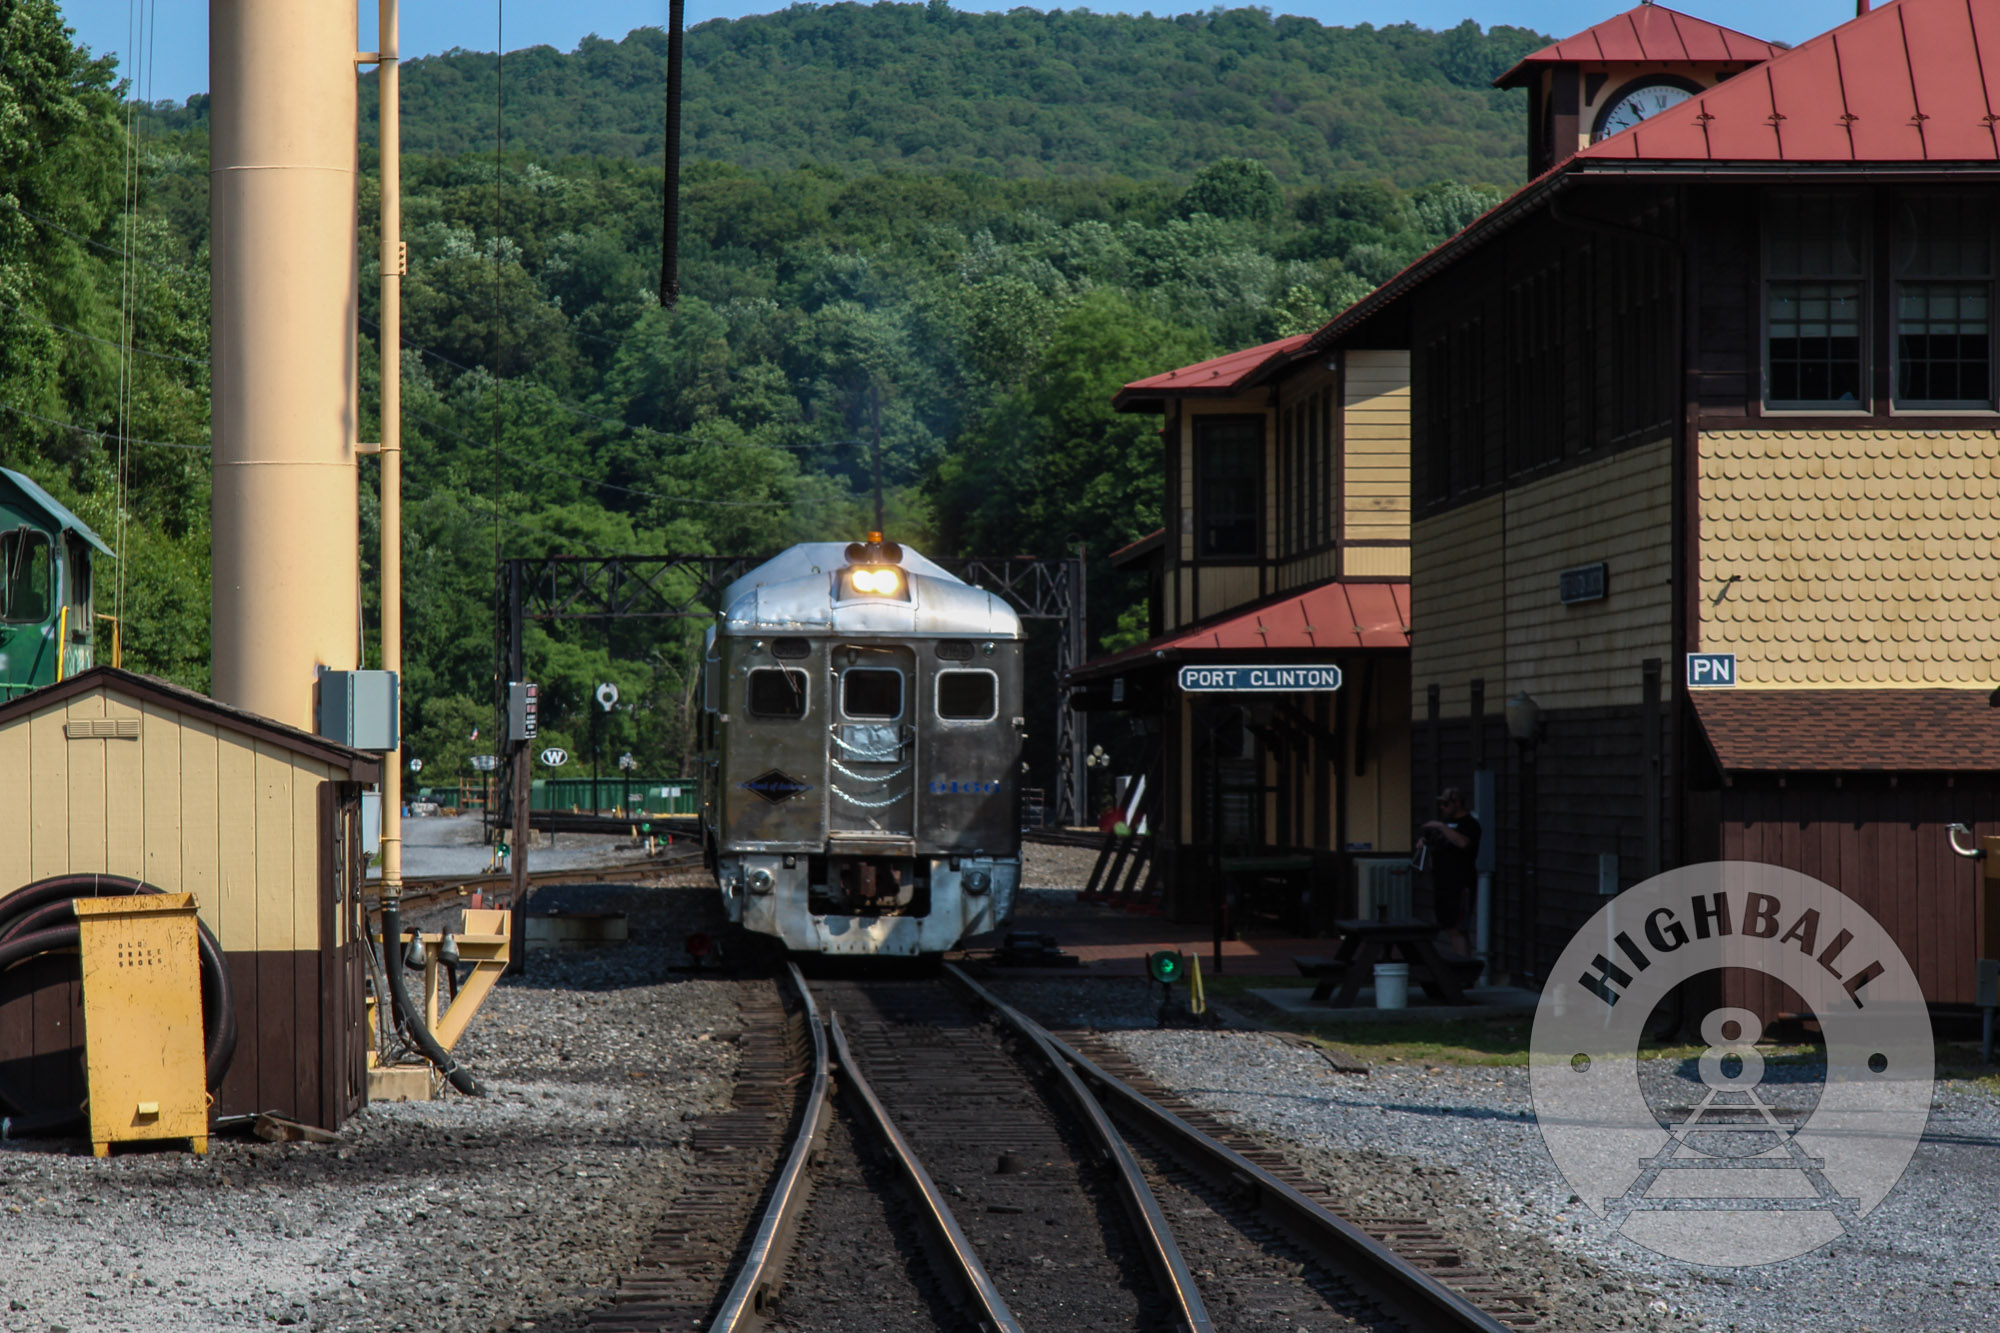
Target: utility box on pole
142,1020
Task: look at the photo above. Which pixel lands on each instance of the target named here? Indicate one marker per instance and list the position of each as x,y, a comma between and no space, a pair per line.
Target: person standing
1453,839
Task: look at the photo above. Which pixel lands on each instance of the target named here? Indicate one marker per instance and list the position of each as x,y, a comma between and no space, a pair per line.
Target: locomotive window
871,692
26,576
791,648
968,696
777,692
955,650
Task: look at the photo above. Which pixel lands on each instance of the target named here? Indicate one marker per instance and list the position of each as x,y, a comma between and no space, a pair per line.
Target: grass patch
1499,1041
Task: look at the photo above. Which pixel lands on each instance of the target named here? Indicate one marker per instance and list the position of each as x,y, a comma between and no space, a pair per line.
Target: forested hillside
1020,94
985,316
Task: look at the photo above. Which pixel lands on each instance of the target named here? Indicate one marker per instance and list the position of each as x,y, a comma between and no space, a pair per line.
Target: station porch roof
1850,730
1330,617
1216,377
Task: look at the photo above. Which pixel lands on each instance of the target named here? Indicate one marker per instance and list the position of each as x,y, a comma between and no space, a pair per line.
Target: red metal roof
1877,731
1330,617
1219,375
1649,34
1913,81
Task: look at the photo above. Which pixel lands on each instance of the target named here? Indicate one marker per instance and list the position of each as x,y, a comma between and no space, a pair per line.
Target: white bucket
1392,985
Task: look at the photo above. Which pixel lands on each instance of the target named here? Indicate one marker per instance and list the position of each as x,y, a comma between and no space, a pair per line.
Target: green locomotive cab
46,615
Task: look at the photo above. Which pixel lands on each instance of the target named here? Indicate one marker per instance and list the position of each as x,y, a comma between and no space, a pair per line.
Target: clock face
1648,99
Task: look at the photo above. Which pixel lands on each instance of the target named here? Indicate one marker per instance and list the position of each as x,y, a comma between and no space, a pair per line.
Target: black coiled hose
39,918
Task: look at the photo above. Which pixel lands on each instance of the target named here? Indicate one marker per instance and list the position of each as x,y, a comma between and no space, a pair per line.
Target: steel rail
758,1281
1163,1254
952,1256
1405,1290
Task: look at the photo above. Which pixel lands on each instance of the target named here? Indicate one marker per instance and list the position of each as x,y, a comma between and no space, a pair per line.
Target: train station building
1701,426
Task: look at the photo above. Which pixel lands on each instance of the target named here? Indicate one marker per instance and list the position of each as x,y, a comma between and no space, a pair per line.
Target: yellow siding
1455,604
1224,586
1375,471
1851,558
184,806
1617,510
1378,562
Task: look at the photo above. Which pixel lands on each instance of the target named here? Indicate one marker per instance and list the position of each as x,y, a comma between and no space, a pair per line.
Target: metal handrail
755,1283
1409,1292
961,1267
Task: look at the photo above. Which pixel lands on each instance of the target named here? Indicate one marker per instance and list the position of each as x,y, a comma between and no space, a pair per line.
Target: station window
871,692
1229,474
1815,296
29,582
777,692
1944,300
968,696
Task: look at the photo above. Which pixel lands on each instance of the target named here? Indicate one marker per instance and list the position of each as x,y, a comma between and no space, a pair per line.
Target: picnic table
1366,943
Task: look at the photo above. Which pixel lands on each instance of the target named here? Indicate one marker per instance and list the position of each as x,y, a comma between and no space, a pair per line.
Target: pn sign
1707,671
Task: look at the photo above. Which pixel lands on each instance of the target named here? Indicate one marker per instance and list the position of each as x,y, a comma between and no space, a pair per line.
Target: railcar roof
53,509
792,593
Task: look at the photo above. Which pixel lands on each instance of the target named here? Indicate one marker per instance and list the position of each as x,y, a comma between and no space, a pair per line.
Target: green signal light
1164,967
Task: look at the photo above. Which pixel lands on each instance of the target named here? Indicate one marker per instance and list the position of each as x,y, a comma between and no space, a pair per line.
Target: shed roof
1646,34
361,765
57,512
1330,617
1849,731
1217,377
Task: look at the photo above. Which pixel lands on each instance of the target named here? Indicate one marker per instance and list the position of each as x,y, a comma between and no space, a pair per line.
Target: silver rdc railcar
861,730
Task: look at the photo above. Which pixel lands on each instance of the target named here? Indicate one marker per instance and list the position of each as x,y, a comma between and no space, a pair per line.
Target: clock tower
1612,76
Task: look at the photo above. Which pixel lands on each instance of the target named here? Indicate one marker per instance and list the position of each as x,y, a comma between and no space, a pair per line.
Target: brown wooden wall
1886,848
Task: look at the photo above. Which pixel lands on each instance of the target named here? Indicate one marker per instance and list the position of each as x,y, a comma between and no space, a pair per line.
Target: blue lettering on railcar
943,788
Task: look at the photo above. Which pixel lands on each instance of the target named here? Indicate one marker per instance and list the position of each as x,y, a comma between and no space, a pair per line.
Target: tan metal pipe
389,82
282,179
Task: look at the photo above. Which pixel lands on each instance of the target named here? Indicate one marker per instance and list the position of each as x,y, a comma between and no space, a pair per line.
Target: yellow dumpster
142,1032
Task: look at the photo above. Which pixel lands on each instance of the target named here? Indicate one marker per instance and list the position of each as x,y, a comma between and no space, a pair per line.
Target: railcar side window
777,692
871,692
26,576
968,696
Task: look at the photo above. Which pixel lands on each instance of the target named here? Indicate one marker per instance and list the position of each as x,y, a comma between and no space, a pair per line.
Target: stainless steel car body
863,752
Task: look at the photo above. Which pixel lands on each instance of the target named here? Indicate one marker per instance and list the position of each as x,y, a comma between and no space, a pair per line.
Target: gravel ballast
519,1210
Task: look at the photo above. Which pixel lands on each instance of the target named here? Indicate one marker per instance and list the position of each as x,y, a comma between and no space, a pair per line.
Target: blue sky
179,52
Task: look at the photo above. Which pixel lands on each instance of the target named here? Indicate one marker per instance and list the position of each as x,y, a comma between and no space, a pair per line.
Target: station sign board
1259,679
1710,671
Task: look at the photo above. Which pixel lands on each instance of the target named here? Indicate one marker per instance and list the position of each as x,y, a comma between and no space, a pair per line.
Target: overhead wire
98,434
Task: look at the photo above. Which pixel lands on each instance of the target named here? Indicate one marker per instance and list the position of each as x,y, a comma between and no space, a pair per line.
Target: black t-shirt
1457,867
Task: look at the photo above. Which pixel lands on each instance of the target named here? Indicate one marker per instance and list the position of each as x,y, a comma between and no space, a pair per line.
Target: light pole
607,699
626,763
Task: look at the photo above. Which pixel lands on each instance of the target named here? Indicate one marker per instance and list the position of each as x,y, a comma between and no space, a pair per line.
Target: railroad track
434,890
978,1171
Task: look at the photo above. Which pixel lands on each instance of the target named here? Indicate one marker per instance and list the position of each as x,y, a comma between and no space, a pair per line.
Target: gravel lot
1460,1144
516,1211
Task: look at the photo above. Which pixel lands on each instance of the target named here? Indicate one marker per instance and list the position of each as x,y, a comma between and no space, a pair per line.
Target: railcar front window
968,696
28,580
871,692
777,692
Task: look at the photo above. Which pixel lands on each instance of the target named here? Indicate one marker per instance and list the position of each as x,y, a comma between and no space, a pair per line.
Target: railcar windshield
968,696
777,692
871,692
27,590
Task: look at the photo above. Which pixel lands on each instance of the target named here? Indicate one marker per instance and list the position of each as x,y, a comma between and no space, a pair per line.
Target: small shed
118,773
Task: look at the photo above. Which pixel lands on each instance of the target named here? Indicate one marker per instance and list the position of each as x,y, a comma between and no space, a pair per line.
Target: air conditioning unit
1382,888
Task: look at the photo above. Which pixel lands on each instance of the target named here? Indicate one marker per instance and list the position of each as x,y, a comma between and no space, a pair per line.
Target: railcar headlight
885,582
977,882
762,881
